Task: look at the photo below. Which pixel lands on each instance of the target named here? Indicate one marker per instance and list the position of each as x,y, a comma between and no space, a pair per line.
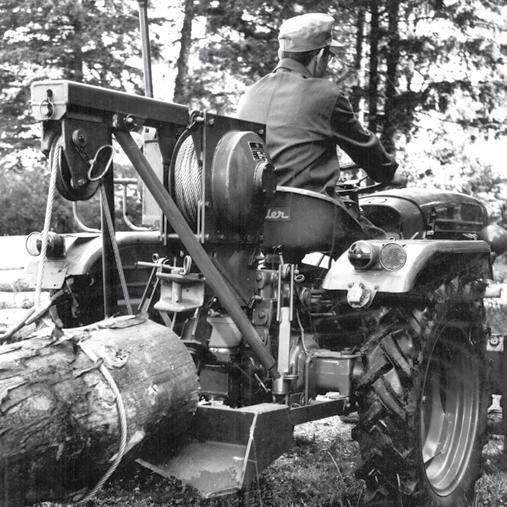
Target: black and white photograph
253,253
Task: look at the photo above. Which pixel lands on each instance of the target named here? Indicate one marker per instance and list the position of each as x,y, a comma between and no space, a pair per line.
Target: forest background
428,77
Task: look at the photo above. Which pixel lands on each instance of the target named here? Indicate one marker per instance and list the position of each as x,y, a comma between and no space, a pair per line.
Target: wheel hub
449,413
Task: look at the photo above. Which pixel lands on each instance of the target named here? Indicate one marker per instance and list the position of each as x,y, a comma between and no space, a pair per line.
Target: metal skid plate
228,447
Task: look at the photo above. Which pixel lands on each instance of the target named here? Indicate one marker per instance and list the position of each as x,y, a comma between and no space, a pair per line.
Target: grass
317,471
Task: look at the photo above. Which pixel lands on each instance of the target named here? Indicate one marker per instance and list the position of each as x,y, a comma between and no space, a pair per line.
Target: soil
318,471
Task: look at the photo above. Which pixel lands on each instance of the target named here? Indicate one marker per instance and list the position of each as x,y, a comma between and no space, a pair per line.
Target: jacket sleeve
361,145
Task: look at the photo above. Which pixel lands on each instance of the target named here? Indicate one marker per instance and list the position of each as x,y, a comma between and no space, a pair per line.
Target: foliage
240,47
443,49
450,157
23,205
447,67
447,57
92,41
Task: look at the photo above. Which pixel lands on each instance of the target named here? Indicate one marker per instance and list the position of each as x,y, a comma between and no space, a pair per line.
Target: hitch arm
213,277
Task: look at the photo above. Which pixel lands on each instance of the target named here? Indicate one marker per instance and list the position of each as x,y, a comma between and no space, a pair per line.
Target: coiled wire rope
187,177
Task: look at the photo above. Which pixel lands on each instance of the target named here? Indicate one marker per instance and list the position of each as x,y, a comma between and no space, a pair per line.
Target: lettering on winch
278,214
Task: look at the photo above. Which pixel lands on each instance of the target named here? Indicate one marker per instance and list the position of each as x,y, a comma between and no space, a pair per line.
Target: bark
23,299
357,90
13,280
180,83
16,300
392,60
59,422
77,63
373,83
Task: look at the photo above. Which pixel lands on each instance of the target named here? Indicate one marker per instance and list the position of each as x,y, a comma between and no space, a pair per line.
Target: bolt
211,122
494,340
79,137
130,122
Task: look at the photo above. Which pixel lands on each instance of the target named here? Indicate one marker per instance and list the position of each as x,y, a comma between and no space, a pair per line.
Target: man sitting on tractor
306,115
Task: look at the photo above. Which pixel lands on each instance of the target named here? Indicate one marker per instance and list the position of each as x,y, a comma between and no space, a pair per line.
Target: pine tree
90,41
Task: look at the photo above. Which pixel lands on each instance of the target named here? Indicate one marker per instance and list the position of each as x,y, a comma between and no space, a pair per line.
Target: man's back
296,109
306,118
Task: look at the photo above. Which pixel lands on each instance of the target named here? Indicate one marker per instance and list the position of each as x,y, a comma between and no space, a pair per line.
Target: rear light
363,255
55,246
392,257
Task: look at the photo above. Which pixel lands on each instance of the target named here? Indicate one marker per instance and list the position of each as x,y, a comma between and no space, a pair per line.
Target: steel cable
188,180
122,422
54,156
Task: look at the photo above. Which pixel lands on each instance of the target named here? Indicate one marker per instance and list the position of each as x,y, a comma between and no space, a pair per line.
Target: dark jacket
305,119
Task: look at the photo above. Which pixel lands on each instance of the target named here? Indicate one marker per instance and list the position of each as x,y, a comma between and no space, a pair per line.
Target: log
12,316
22,299
59,421
14,280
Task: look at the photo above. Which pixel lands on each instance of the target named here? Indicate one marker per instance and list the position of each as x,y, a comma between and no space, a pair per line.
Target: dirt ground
320,468
318,471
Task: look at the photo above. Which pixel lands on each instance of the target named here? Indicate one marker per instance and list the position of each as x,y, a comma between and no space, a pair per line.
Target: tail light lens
55,245
392,257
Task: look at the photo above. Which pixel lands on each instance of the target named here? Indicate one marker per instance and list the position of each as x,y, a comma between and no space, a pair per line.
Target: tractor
288,313
284,311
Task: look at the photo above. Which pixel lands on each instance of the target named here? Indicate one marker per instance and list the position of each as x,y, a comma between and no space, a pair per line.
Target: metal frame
213,277
121,112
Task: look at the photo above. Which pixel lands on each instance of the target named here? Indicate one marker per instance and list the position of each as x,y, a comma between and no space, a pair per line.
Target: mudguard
83,253
425,258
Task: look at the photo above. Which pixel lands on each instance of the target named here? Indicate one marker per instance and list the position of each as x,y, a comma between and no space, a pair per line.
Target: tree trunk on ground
180,83
59,423
392,59
16,300
374,72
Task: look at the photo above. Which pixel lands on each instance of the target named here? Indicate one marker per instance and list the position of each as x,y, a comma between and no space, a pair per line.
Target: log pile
59,417
16,299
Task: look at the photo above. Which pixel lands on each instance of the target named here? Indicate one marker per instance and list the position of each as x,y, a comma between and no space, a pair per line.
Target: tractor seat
301,221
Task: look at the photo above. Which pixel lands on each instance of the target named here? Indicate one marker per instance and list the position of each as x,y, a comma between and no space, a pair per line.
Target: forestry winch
277,339
256,308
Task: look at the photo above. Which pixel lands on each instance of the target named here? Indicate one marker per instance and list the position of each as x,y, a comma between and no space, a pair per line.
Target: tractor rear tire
422,400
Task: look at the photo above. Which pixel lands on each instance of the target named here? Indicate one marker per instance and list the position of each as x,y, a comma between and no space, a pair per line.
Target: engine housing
418,212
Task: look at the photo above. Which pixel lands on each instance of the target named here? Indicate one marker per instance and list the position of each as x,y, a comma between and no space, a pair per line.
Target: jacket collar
290,64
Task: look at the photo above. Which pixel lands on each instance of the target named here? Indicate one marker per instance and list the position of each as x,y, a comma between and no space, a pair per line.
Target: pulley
82,157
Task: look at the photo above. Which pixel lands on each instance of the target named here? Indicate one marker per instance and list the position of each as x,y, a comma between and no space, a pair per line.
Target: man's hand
400,178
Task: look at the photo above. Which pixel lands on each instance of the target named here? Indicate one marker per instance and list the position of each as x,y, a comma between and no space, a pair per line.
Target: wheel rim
449,412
